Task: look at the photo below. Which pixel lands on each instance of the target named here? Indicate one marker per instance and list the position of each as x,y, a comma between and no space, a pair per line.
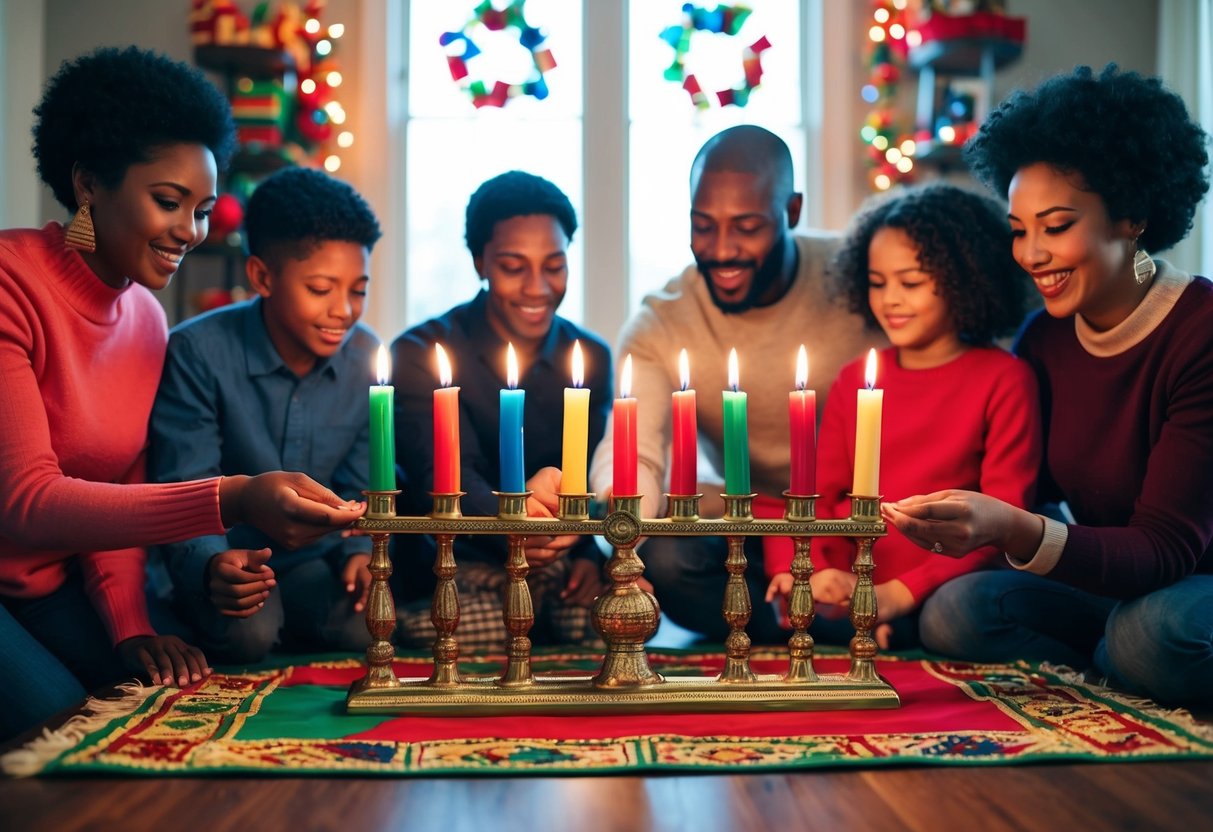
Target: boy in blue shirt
276,383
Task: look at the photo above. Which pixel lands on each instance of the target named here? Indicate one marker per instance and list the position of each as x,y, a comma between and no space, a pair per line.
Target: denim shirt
229,405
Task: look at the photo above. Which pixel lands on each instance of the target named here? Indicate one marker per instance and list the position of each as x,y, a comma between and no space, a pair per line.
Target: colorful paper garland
461,50
726,20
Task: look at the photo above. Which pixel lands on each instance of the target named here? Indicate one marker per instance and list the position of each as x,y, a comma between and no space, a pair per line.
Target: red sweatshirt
79,366
973,424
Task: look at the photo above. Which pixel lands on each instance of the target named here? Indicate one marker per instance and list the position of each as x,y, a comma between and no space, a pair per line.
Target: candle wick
800,386
734,388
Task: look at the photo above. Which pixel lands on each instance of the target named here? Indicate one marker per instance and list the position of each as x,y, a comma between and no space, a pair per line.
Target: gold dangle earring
80,234
1143,265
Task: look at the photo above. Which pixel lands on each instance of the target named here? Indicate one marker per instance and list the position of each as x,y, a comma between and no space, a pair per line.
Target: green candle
736,435
383,434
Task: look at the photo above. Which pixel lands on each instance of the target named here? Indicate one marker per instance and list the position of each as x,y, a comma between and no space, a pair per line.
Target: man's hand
164,659
954,523
585,582
543,502
239,580
356,576
291,508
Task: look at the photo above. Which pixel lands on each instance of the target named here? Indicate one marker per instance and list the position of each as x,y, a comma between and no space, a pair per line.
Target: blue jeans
307,609
689,577
53,650
1159,645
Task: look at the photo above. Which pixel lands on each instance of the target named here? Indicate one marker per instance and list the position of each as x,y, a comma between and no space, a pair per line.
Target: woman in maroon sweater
1098,170
130,143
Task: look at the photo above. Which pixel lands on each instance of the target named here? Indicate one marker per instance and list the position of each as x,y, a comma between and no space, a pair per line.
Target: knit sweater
1129,439
972,423
79,363
683,315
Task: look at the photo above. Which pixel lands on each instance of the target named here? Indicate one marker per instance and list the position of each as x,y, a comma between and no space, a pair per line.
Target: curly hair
963,242
514,194
112,108
296,209
1128,137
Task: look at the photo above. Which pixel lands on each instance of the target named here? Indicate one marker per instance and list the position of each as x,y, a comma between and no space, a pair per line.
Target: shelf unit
231,64
942,59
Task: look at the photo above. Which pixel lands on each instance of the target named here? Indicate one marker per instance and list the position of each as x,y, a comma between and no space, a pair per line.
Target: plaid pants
481,588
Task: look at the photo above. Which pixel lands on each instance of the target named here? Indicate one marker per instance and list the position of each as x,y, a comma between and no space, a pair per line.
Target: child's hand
893,600
585,583
780,590
356,576
832,590
239,580
164,658
780,587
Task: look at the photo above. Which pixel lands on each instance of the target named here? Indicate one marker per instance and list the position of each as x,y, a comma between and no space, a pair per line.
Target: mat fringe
34,756
1182,717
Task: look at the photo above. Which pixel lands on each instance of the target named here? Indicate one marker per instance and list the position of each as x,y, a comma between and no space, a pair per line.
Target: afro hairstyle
112,108
1128,137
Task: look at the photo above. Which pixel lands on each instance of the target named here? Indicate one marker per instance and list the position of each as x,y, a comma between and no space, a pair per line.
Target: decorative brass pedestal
624,615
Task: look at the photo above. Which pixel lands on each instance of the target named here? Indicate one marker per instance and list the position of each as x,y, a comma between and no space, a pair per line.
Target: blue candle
513,477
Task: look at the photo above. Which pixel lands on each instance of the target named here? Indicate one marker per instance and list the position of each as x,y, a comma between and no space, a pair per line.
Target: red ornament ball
227,215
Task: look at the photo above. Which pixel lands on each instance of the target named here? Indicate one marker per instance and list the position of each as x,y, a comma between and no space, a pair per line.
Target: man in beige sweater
760,289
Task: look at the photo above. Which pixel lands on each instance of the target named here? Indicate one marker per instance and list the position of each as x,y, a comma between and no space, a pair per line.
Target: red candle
624,419
684,473
446,429
802,419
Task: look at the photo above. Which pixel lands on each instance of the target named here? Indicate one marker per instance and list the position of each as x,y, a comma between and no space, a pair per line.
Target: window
614,134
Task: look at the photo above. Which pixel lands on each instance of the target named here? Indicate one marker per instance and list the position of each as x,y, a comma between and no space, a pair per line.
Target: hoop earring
80,234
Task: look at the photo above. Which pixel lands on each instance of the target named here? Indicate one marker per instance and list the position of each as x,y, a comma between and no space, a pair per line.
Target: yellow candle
576,429
867,434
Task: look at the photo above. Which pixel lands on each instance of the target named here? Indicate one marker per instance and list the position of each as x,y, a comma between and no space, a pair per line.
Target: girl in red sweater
130,142
931,268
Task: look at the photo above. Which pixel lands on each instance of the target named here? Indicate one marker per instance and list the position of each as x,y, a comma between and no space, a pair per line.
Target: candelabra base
482,696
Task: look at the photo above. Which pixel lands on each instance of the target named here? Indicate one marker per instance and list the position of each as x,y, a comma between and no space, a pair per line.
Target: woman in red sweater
931,268
1099,169
130,142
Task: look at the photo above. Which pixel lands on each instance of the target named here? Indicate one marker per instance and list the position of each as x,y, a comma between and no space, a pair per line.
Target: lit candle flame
734,373
684,369
383,366
444,366
869,375
511,367
625,379
802,368
578,365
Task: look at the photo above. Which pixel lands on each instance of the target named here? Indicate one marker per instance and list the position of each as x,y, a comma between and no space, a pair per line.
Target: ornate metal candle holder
625,616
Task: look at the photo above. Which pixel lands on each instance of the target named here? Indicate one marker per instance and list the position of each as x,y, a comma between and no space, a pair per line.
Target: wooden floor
1076,798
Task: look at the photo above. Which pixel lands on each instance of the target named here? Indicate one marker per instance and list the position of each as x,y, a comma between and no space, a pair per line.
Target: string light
333,79
336,30
345,138
332,163
312,26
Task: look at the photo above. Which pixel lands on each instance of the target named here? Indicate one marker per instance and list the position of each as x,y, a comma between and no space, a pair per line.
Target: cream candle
867,434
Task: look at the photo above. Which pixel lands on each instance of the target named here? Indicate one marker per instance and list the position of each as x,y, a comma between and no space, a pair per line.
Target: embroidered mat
290,720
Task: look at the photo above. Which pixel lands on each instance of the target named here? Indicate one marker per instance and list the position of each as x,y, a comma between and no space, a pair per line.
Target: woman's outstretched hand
955,523
293,509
